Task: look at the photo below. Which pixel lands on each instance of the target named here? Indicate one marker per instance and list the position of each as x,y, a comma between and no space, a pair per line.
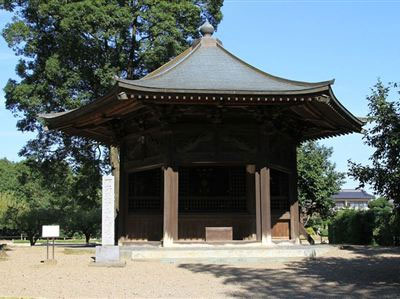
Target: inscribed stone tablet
107,211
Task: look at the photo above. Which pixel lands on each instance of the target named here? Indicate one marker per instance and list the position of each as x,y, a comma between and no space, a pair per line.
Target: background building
352,198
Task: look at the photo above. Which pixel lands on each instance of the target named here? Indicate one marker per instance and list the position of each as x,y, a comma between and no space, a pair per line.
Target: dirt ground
354,272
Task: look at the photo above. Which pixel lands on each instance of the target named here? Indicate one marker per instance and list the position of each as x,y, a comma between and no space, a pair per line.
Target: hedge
374,226
352,227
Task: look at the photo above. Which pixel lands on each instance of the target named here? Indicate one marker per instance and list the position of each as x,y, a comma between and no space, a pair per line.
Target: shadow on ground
370,273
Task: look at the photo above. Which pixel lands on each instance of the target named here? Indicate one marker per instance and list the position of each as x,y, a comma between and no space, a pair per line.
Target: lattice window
212,189
279,190
145,190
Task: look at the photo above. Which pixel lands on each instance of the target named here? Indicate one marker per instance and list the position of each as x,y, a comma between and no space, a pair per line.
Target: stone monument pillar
107,211
108,253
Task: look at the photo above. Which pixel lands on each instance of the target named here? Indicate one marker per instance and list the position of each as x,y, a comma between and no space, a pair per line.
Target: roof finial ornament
207,29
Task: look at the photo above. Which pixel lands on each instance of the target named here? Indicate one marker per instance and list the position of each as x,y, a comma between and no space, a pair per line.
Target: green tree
34,199
383,135
83,213
8,185
30,199
70,52
84,221
382,211
6,200
8,175
317,180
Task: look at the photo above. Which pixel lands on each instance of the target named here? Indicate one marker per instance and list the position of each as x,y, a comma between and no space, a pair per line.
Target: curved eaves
135,85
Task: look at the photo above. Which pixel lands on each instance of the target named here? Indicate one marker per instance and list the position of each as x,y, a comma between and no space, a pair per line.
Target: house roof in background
352,194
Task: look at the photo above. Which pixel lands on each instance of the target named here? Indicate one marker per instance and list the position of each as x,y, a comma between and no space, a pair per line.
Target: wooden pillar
294,209
115,161
251,202
265,206
258,204
170,206
115,169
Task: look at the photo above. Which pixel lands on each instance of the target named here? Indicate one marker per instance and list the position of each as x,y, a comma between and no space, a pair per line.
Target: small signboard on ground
50,231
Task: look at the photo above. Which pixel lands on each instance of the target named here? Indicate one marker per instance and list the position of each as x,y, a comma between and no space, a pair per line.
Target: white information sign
50,231
107,211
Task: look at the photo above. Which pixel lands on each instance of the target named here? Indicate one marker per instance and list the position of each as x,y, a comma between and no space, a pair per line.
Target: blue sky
355,42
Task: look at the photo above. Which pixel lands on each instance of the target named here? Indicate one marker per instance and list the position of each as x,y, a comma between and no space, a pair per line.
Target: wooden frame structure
203,110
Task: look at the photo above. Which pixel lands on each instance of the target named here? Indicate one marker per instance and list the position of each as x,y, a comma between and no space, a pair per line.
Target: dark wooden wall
186,145
191,227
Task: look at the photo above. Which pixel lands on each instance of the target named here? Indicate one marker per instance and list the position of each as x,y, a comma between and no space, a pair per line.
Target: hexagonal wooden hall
208,146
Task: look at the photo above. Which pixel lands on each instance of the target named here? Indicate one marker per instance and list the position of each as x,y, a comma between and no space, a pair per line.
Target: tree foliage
384,221
71,50
317,180
378,225
33,199
351,226
382,134
30,199
85,221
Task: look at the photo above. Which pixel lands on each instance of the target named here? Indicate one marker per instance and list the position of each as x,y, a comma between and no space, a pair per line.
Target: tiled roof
209,66
206,73
352,194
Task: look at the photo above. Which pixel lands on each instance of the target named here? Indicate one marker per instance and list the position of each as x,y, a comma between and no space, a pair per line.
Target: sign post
50,231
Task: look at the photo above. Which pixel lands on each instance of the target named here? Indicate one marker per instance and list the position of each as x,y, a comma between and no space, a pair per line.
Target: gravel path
355,272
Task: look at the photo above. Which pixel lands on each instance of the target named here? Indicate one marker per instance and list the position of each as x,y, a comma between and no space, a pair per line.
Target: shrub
379,225
310,231
352,227
382,210
395,227
319,226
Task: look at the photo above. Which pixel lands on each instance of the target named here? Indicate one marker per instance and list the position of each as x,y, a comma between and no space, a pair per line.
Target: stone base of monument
108,256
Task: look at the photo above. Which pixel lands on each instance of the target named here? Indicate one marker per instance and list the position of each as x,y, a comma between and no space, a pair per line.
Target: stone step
221,254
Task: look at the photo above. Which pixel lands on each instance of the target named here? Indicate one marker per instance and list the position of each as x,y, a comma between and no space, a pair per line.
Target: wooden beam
170,206
123,194
294,208
258,204
265,206
115,170
251,201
